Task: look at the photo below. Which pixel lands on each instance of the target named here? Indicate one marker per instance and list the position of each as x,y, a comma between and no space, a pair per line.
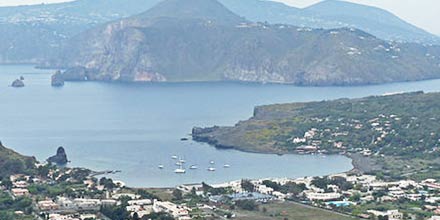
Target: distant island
202,40
398,133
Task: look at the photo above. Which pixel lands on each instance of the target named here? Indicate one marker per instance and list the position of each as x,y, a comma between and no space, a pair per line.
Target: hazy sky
422,13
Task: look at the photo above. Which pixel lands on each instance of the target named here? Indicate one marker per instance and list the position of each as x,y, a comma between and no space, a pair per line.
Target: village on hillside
76,194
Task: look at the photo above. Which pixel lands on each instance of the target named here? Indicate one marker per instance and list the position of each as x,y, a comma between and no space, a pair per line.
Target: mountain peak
194,9
348,8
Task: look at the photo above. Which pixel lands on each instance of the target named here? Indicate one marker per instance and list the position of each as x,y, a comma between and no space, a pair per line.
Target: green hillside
401,132
12,162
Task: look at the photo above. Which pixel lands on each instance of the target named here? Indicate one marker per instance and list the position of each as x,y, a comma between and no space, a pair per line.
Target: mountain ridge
32,34
324,15
193,48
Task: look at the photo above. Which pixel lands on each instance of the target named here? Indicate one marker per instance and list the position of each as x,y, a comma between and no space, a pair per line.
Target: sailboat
180,170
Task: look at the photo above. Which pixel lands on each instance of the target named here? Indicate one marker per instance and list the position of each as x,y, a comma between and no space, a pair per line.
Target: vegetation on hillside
402,126
11,162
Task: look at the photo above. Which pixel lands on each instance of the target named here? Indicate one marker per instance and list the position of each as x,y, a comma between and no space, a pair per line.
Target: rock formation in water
60,158
57,79
18,83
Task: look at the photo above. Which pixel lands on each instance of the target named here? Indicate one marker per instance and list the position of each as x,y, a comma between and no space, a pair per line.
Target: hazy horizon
424,17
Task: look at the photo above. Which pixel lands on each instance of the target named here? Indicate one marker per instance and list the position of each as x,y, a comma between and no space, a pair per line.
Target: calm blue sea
136,127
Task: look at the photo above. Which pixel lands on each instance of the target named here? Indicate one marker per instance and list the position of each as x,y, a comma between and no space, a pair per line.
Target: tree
158,216
356,197
43,171
107,183
247,186
320,182
342,183
246,204
146,195
136,216
6,183
6,216
381,217
177,194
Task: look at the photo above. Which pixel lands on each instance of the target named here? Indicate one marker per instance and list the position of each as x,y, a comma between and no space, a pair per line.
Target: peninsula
396,132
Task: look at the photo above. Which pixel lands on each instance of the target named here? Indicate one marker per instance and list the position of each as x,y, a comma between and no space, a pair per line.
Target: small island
18,83
57,79
60,158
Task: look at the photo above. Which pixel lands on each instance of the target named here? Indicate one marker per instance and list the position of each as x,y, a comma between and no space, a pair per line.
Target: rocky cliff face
57,79
187,43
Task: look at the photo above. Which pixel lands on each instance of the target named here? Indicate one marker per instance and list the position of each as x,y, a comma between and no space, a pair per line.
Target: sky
422,13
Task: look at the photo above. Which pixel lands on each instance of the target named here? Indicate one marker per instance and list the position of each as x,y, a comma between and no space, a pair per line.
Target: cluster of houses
311,142
364,189
64,208
20,185
367,188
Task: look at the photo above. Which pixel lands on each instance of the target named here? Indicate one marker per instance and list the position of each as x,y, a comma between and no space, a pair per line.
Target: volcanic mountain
201,40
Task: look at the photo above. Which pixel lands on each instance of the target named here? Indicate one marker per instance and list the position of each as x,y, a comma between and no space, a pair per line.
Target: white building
20,192
392,214
87,204
140,202
47,205
322,196
177,211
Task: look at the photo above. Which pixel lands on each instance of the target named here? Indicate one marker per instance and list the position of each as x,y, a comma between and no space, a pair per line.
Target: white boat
180,170
179,164
226,166
211,169
182,161
193,167
160,166
211,162
174,157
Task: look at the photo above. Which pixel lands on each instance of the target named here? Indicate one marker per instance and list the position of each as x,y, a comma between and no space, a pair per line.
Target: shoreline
360,163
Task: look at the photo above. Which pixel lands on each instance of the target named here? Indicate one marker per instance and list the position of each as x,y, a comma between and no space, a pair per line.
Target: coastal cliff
387,129
345,124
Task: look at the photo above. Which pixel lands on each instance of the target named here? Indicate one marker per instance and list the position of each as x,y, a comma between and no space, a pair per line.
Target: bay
136,127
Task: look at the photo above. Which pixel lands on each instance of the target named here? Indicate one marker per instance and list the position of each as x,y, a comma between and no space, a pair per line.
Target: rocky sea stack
60,158
18,83
57,79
